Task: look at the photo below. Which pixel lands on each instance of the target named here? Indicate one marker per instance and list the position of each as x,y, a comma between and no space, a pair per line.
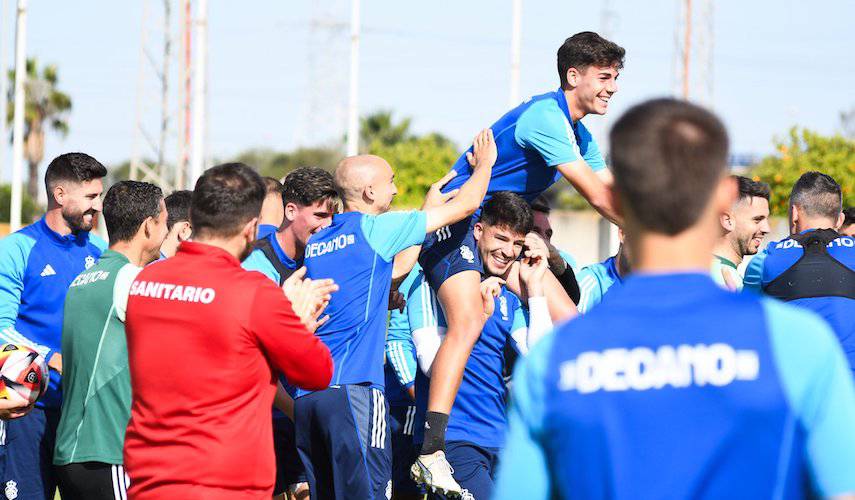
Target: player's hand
309,297
10,410
397,301
534,264
435,197
490,289
484,152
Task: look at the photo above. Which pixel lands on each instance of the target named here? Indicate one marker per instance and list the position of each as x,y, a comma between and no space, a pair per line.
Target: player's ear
59,193
726,220
290,211
185,232
794,218
573,76
839,223
477,231
250,229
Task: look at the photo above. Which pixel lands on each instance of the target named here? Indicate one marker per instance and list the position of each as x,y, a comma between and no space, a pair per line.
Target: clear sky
274,81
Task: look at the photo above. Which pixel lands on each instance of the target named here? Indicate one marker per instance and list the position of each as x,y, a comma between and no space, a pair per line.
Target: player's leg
473,469
290,474
312,445
29,455
401,426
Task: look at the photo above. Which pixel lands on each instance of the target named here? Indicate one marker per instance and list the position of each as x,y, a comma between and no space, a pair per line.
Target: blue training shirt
478,413
595,280
532,140
401,364
838,311
676,403
357,251
37,265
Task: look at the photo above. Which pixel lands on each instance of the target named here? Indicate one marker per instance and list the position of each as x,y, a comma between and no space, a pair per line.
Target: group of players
384,341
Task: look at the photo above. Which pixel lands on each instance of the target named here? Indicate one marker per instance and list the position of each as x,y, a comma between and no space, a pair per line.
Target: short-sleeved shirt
594,281
532,140
357,251
478,413
96,402
688,407
720,266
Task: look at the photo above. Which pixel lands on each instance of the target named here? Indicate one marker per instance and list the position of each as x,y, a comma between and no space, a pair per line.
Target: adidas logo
47,271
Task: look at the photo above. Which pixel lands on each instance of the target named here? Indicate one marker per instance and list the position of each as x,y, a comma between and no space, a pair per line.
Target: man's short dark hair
749,188
541,204
667,158
178,207
72,167
225,198
587,49
509,210
127,205
272,186
817,195
848,216
308,185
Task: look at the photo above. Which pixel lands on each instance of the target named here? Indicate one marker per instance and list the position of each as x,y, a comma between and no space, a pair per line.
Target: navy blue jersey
37,265
532,140
478,413
838,311
357,251
701,393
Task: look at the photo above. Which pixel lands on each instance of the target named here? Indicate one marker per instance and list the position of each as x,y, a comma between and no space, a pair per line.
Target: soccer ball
23,374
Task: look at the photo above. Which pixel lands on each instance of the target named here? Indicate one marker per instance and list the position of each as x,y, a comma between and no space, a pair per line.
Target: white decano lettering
170,291
643,368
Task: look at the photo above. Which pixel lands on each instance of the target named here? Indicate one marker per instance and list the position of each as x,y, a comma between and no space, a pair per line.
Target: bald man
341,431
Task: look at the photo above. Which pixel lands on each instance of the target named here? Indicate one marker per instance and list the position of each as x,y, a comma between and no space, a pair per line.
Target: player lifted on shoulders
539,141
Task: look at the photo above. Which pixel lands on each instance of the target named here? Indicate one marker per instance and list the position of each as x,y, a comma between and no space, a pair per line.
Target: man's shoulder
18,243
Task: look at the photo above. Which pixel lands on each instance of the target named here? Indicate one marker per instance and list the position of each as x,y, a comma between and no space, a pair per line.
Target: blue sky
275,82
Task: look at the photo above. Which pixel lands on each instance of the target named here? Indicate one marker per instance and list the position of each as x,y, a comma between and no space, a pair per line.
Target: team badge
503,307
11,490
466,254
89,262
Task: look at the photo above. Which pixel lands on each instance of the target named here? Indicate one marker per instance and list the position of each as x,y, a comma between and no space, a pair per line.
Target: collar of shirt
194,248
280,252
562,103
67,240
611,268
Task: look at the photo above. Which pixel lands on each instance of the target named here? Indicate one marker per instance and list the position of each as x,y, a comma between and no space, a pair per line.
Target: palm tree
45,106
379,126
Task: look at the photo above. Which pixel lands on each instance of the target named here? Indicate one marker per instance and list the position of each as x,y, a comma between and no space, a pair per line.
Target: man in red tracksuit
205,342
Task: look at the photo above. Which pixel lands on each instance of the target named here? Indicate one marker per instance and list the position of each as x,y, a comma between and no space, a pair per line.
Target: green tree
380,127
29,208
45,106
801,151
278,164
417,162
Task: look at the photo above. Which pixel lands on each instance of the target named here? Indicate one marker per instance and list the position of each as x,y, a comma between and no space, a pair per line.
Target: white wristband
539,323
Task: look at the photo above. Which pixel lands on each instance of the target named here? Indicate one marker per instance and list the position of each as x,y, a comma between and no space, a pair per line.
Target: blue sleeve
98,242
590,291
570,260
753,279
401,355
818,384
392,232
423,310
14,252
257,261
589,148
544,128
523,470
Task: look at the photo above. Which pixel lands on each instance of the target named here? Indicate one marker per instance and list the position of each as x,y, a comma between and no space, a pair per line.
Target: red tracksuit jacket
205,338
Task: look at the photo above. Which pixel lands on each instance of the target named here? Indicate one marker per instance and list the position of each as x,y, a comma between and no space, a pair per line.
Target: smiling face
751,224
305,221
81,203
592,88
498,246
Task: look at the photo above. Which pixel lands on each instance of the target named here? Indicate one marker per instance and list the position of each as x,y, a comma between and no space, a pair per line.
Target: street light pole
18,122
353,104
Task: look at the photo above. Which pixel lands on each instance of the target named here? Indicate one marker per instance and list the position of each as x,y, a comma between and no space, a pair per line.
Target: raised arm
471,194
592,187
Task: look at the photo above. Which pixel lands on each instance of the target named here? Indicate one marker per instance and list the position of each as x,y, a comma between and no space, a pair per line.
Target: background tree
379,127
801,151
29,208
45,106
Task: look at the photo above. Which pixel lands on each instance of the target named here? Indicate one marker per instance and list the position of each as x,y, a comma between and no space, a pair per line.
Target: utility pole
197,160
184,117
18,126
164,89
353,103
516,43
3,86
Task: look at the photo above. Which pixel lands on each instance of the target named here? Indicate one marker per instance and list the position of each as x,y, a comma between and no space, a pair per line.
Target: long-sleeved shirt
205,340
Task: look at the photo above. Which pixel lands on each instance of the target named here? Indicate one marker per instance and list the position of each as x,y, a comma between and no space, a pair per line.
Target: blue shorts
27,464
474,467
344,443
289,468
404,453
450,250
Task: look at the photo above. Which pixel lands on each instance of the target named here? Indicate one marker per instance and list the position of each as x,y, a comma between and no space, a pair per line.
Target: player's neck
810,223
133,251
361,207
688,251
573,106
287,241
724,248
57,223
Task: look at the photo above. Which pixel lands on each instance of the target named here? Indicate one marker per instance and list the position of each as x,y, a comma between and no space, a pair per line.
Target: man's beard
75,220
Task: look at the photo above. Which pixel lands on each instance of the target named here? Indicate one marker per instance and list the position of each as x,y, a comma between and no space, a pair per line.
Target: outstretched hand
435,197
484,152
309,297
